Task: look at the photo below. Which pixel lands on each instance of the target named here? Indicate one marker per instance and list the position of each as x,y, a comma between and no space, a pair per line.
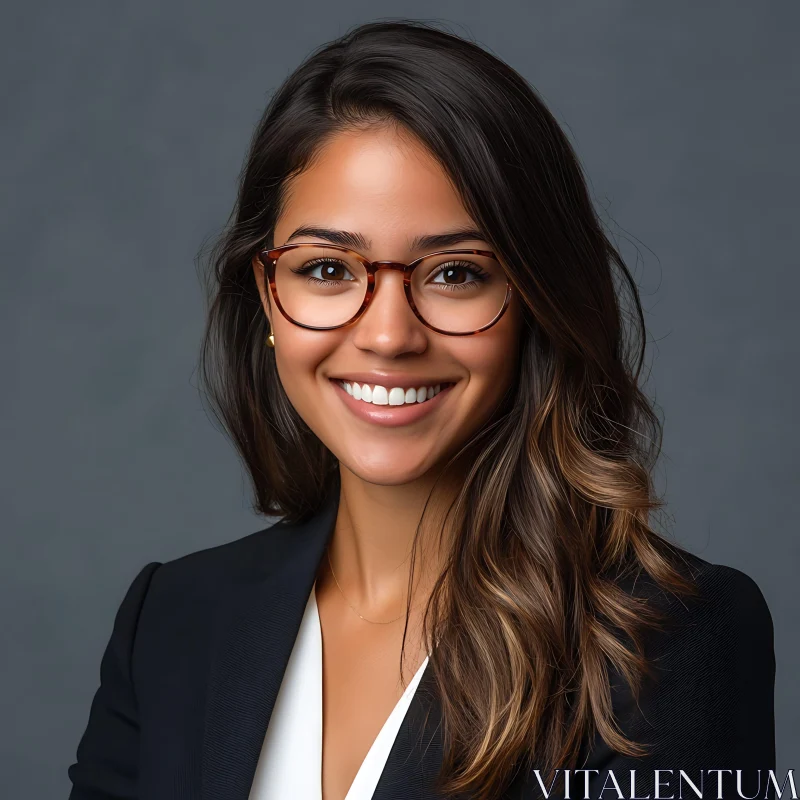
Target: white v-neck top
290,764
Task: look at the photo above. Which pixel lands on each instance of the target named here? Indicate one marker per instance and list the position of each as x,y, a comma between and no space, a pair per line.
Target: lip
391,416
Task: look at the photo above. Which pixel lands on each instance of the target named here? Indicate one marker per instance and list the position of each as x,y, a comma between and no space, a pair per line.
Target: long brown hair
556,502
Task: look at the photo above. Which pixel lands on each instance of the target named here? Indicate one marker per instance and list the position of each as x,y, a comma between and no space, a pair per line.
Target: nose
389,327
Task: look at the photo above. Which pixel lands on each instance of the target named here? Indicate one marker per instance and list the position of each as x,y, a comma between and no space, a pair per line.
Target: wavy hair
528,614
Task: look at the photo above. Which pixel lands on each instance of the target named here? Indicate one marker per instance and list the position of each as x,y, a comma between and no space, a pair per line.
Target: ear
263,288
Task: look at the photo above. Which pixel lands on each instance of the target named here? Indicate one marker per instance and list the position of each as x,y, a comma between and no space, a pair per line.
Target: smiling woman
427,353
386,325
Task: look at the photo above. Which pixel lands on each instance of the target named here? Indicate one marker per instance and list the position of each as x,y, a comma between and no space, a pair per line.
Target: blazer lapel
255,627
416,755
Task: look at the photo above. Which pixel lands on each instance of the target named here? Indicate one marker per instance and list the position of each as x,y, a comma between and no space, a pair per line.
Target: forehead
378,181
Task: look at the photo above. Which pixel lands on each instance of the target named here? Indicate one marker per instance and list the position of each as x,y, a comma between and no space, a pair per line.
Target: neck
371,545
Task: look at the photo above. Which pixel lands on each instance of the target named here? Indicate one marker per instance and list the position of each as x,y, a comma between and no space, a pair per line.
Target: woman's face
386,187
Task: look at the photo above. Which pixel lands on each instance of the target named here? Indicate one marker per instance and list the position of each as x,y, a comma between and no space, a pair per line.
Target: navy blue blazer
199,646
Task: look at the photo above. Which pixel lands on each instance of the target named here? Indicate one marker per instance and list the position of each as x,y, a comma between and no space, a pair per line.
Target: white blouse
290,764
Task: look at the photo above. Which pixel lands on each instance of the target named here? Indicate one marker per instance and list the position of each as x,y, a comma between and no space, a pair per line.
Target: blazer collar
254,629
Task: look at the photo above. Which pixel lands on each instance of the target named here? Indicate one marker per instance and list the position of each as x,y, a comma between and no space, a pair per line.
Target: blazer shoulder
729,607
727,601
733,585
714,654
719,637
228,562
708,695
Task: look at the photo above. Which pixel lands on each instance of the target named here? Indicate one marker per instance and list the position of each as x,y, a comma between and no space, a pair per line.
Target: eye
332,270
453,273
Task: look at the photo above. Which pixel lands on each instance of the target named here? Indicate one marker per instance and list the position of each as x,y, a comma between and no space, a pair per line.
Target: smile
391,406
397,396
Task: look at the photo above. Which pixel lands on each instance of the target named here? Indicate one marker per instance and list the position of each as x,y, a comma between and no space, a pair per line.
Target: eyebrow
357,241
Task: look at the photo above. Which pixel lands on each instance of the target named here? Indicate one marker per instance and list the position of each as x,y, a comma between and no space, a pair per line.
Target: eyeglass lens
455,292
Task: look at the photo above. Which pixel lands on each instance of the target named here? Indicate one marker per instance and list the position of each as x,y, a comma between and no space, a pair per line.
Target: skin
390,190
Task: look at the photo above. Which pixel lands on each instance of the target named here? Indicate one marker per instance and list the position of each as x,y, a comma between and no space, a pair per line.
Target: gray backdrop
125,125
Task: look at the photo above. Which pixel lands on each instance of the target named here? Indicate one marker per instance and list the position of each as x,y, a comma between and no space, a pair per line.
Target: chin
387,471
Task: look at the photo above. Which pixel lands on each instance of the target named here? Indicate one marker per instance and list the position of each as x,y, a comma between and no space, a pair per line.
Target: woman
427,353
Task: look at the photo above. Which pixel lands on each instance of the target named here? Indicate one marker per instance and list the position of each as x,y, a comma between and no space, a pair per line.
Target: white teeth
396,397
381,396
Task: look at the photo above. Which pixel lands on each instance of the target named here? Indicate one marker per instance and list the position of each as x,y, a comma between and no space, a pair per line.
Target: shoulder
726,624
201,574
710,694
708,702
208,573
182,595
731,596
178,600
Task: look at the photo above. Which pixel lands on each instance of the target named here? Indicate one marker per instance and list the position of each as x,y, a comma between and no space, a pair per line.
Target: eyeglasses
323,287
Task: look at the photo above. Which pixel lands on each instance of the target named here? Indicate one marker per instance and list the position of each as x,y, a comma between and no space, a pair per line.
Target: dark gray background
125,126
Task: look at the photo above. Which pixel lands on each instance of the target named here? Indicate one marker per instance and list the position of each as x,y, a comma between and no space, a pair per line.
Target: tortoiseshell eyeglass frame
269,258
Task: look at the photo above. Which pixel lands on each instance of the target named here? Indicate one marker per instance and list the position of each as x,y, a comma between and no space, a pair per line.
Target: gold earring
271,340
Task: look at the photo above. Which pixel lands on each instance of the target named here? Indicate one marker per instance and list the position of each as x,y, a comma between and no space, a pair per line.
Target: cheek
297,357
490,357
298,354
491,360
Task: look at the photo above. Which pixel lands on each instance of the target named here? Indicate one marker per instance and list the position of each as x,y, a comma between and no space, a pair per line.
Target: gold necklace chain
327,551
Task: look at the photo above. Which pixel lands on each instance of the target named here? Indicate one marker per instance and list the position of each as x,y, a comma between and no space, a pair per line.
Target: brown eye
455,273
330,269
